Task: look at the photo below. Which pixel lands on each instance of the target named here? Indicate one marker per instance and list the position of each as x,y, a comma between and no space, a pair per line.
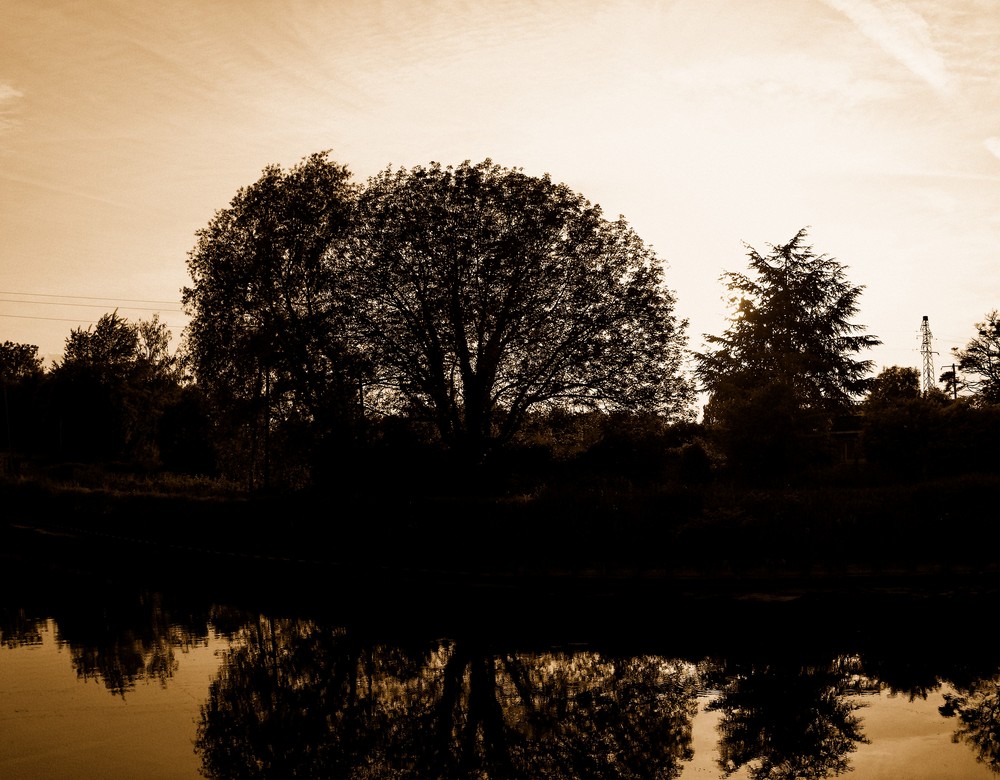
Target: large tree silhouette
464,297
484,293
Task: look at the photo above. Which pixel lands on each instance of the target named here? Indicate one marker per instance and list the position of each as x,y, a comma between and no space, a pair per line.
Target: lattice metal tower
926,351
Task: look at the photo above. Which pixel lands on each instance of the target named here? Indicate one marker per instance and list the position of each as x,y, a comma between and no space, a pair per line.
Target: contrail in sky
901,33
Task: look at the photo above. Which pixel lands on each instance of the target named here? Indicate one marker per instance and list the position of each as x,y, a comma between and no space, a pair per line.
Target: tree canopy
483,293
19,362
459,296
109,389
116,350
267,340
263,295
981,358
786,364
893,385
791,326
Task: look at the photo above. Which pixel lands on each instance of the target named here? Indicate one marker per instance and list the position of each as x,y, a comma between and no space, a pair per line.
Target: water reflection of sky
58,723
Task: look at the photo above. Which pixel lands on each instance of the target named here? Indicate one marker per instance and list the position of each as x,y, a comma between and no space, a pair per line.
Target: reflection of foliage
17,629
279,694
913,676
296,699
783,721
129,642
978,712
556,716
125,661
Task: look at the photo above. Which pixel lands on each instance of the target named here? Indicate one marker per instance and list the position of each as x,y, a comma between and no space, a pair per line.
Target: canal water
114,669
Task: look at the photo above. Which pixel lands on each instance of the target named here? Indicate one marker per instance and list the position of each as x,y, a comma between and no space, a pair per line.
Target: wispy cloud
901,33
7,96
993,145
795,73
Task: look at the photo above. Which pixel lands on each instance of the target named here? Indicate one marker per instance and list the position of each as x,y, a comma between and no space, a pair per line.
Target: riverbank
937,534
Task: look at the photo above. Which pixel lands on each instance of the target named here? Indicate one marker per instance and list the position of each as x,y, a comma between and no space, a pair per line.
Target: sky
710,125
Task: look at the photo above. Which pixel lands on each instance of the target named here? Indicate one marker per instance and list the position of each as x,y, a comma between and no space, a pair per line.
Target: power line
84,305
106,302
83,298
64,319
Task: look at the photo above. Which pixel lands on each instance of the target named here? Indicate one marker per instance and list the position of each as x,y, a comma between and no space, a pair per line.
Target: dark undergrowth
592,526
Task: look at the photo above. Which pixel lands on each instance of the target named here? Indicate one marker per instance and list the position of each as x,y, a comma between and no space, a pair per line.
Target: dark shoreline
77,548
928,537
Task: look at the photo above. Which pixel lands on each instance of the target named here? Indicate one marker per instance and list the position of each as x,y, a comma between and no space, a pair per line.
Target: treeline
120,400
472,327
117,396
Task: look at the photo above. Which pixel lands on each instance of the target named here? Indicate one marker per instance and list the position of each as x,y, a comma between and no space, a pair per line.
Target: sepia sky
125,124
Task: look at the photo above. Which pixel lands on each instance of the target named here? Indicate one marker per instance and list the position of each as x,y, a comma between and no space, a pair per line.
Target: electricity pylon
927,375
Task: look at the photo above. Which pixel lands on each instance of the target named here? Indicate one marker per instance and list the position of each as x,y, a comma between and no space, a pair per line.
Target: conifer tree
787,363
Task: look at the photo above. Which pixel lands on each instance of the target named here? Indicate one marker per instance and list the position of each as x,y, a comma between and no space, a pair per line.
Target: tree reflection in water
19,629
977,707
117,641
297,699
129,639
788,721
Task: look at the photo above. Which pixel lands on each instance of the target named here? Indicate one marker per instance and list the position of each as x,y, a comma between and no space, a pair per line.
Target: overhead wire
85,298
88,305
123,303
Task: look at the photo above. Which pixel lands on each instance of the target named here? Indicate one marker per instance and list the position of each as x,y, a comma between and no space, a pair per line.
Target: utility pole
951,378
927,375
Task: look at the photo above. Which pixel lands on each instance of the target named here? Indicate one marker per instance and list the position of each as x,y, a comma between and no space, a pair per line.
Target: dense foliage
786,365
461,299
107,393
482,293
19,362
267,341
21,373
981,358
912,435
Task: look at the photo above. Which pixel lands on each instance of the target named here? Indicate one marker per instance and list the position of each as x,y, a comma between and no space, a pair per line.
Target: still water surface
114,679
